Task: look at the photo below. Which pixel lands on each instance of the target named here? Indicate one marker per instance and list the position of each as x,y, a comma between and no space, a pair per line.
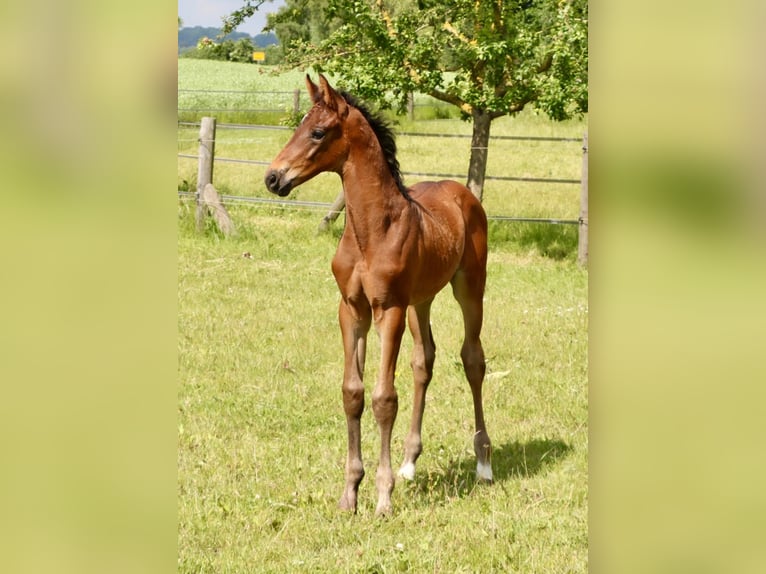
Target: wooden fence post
296,102
205,171
582,242
212,201
332,215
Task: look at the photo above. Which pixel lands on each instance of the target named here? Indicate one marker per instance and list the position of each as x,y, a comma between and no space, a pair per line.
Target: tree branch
513,108
387,19
450,99
448,27
546,63
234,19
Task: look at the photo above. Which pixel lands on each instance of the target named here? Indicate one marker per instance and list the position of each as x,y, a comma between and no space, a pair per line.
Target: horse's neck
373,200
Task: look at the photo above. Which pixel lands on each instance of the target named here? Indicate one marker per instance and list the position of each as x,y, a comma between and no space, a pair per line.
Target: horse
400,246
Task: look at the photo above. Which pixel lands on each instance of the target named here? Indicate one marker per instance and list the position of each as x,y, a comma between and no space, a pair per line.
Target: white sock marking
407,472
483,471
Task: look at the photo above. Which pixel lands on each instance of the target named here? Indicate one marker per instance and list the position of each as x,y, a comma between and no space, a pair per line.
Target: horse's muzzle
275,184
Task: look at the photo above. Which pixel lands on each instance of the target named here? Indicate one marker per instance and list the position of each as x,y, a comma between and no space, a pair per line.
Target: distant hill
188,37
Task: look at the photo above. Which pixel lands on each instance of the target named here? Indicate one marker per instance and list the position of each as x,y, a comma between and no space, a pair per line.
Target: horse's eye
317,134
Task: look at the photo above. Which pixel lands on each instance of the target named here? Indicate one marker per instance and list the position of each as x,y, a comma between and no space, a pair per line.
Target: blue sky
210,12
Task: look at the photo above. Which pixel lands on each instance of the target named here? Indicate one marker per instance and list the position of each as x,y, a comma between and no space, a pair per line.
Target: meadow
261,429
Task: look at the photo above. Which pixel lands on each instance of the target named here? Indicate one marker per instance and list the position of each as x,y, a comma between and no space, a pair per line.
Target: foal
400,246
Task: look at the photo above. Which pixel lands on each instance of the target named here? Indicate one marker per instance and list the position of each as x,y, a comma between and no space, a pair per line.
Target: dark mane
386,140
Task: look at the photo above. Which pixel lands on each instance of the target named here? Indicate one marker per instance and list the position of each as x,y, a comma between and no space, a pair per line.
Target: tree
488,58
228,50
241,51
300,21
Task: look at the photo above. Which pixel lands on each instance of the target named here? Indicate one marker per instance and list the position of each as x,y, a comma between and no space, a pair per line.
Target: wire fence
324,207
232,113
406,134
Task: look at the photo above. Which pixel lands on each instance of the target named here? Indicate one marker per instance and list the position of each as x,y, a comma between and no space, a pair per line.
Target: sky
210,12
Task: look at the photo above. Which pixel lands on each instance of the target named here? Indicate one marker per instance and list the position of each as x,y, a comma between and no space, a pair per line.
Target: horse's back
446,198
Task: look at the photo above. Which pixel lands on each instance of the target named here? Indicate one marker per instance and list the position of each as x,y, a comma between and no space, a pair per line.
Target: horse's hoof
347,504
407,472
384,510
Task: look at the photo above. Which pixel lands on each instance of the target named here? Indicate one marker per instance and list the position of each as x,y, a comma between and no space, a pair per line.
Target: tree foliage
488,58
496,56
189,37
302,21
229,50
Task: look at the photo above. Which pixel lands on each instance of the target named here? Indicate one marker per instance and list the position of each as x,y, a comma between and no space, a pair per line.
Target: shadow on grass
556,241
524,459
509,461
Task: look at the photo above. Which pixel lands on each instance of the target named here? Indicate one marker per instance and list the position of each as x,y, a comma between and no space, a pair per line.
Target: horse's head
317,144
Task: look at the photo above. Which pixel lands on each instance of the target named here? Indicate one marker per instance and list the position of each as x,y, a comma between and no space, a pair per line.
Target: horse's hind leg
469,292
423,355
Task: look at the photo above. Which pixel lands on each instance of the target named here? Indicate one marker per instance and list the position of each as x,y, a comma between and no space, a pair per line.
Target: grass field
262,431
261,427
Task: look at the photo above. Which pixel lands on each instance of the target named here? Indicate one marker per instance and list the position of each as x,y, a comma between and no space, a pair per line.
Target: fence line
206,158
233,160
413,134
238,126
495,177
582,239
416,173
189,91
515,138
410,134
323,206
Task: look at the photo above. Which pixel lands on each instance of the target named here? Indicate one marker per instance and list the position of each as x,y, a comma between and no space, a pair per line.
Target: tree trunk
477,167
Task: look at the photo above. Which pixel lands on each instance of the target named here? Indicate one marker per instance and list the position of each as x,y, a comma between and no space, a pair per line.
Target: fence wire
321,206
415,173
325,207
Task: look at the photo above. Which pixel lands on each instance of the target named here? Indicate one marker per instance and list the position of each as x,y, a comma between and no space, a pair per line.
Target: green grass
262,431
269,93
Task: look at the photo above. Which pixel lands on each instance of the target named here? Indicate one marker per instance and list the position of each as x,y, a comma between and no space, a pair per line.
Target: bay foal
399,248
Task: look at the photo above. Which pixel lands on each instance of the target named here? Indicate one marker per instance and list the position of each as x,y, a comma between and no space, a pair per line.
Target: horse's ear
313,90
332,99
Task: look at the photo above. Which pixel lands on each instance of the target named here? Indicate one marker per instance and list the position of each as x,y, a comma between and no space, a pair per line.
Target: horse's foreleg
390,327
354,324
423,355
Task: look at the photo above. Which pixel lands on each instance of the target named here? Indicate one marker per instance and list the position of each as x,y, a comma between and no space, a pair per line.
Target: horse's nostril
271,179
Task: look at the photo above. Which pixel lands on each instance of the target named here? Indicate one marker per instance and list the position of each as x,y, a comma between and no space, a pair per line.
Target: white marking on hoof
407,472
484,471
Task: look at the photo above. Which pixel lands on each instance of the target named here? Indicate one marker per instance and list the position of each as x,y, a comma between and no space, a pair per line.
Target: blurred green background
89,287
